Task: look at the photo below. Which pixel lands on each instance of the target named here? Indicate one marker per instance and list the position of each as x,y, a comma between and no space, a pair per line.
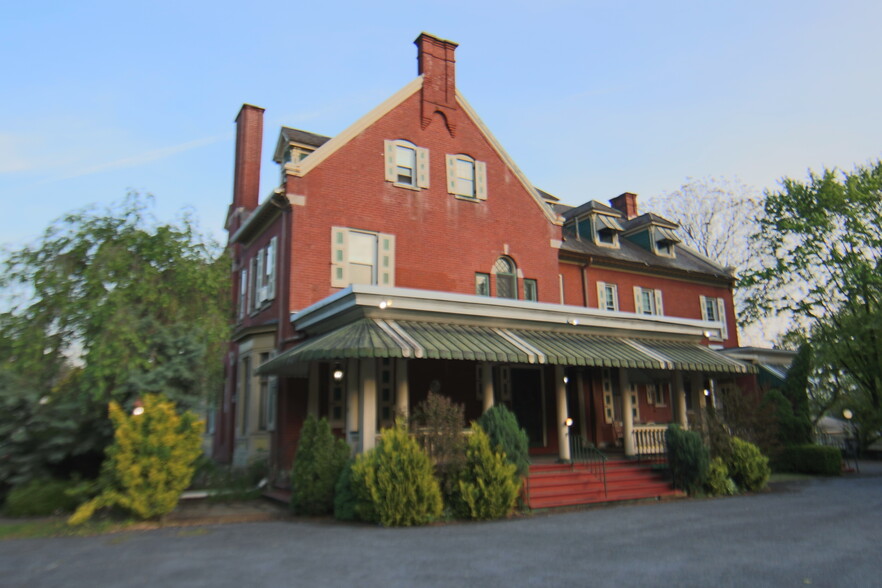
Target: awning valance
603,221
377,338
666,234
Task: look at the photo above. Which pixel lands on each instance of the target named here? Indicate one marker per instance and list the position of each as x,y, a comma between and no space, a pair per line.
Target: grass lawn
54,527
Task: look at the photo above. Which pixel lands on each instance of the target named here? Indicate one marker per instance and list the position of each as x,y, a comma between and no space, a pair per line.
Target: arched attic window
506,278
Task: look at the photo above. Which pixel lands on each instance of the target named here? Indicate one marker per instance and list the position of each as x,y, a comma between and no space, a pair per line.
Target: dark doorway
526,403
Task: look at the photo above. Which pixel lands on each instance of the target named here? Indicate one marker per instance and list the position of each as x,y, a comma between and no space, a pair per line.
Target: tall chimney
438,67
625,203
246,173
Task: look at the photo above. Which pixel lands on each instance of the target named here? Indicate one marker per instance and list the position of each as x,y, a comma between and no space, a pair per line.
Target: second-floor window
361,257
506,278
607,296
257,279
647,301
714,309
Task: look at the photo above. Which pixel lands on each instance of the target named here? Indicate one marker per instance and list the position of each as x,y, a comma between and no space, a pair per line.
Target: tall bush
439,423
394,484
507,436
488,484
688,459
718,481
748,467
317,466
150,462
810,459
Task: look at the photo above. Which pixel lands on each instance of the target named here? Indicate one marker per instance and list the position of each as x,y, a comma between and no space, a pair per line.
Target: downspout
585,281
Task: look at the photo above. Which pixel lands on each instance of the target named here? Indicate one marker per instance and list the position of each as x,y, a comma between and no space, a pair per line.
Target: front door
527,404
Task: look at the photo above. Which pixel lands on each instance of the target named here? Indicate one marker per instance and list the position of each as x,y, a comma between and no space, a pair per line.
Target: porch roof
379,338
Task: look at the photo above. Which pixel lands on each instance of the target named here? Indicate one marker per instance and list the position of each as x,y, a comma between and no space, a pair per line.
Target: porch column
312,399
563,437
697,399
627,413
402,392
679,392
487,386
368,404
583,413
352,402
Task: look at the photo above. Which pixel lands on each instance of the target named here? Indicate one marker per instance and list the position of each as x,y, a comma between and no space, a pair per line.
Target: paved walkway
822,532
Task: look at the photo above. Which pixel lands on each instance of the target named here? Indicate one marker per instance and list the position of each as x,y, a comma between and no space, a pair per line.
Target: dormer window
664,241
605,230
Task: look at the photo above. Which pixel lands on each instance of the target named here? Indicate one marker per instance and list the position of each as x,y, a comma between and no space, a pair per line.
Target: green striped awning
378,338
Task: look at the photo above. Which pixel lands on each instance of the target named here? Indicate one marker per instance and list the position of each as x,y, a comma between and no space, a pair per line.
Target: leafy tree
151,461
439,423
795,390
821,243
106,306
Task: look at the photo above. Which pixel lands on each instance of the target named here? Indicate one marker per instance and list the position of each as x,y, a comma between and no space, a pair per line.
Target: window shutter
451,174
386,261
243,292
339,257
702,300
391,166
601,295
259,277
659,309
615,294
422,170
271,265
721,306
638,301
481,180
252,286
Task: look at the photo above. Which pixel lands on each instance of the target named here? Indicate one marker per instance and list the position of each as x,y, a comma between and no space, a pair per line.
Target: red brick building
409,253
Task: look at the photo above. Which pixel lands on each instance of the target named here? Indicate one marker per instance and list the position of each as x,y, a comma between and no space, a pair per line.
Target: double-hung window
647,301
466,177
714,310
257,281
361,257
607,296
406,164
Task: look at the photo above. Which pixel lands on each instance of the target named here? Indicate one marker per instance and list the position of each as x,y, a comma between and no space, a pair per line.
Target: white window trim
384,270
421,171
656,296
720,307
479,177
602,298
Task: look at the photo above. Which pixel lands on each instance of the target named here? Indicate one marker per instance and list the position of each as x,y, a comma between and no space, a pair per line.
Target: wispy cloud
143,158
13,149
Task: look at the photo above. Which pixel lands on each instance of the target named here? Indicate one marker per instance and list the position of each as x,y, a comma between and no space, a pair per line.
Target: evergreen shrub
344,495
438,425
40,498
488,485
507,436
394,484
688,459
810,459
748,467
718,481
316,469
150,462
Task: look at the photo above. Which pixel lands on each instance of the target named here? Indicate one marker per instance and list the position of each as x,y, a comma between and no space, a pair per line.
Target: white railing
649,440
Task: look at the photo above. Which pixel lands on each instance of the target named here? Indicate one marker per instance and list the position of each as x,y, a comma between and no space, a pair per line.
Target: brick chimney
626,204
246,173
438,67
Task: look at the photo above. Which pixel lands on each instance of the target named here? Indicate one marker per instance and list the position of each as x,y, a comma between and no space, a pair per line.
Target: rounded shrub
344,495
718,481
39,498
394,484
316,469
748,467
507,436
488,484
688,459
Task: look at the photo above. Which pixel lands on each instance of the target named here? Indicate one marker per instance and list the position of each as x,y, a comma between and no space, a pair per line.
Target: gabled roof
647,219
630,254
333,144
591,206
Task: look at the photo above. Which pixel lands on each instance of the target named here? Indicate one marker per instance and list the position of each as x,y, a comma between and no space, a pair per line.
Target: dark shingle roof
629,253
591,206
304,137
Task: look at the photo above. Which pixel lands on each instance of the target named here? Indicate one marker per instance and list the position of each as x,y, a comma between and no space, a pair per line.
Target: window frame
383,270
654,296
512,276
420,172
603,298
531,290
478,191
718,304
482,279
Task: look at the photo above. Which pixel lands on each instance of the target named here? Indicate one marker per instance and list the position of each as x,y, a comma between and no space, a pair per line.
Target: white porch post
352,402
368,404
487,386
679,392
563,437
402,392
627,413
312,399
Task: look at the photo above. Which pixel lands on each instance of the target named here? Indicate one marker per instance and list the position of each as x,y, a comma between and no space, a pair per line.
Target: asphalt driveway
821,533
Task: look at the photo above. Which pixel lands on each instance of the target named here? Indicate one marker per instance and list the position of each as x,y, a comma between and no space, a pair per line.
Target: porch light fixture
384,304
847,414
569,422
708,334
566,380
706,392
573,321
338,373
139,408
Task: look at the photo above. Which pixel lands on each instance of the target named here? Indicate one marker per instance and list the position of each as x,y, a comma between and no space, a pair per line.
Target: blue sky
590,98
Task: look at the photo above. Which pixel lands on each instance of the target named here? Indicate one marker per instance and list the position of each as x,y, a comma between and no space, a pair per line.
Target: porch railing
649,442
586,453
